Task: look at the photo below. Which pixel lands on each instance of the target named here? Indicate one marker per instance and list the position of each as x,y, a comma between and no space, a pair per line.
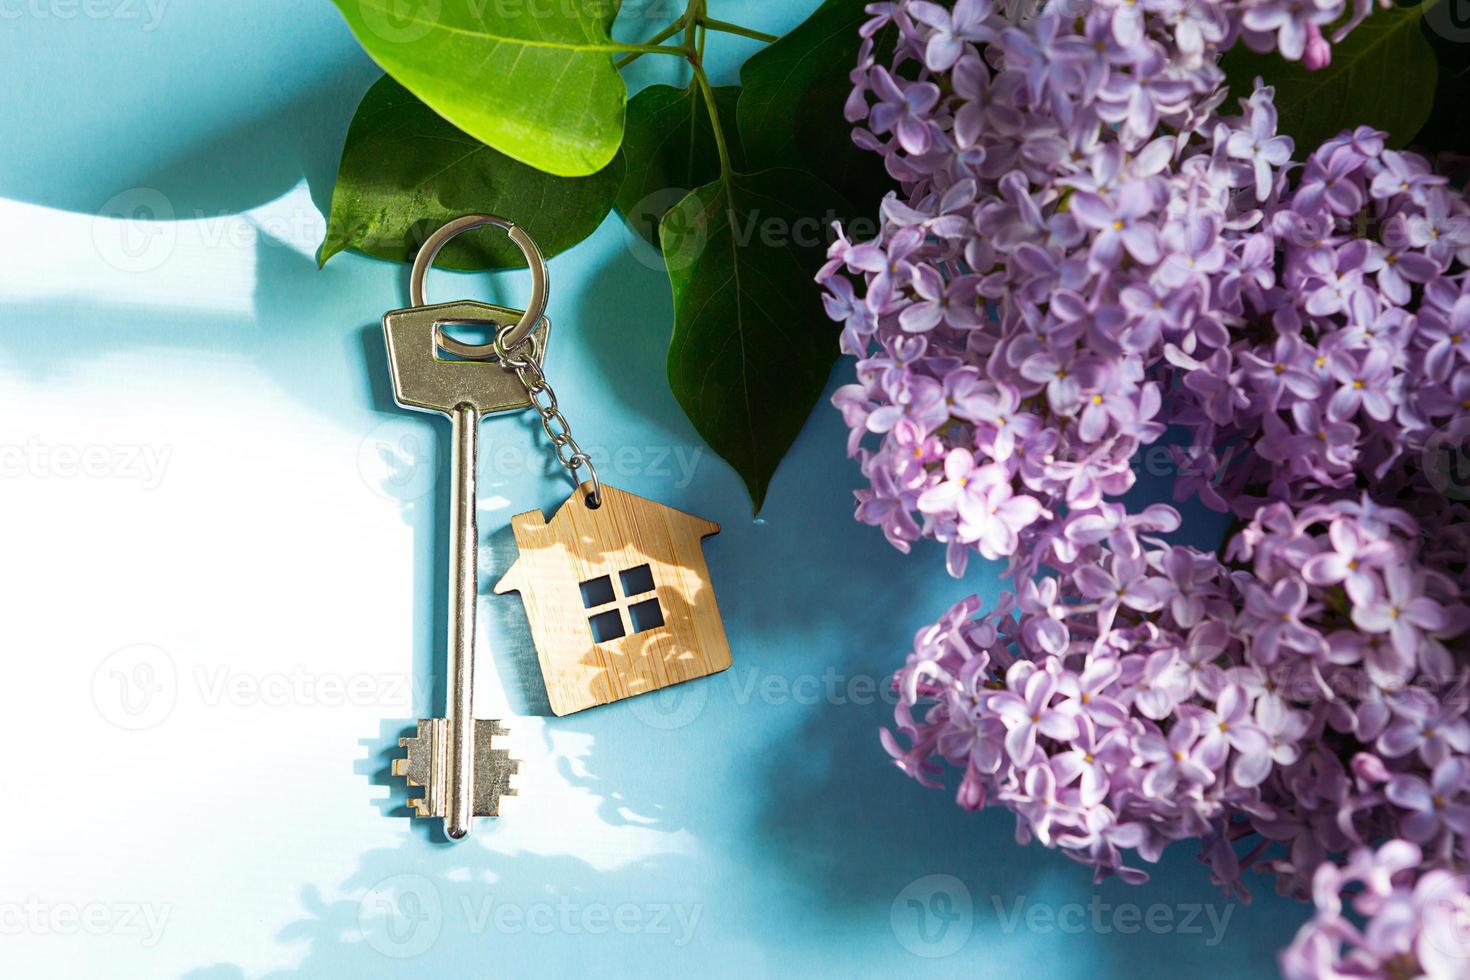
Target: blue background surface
747,824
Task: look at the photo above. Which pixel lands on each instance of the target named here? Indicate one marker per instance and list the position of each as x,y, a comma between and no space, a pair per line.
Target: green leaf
534,80
791,106
670,149
752,347
1447,28
1382,75
405,171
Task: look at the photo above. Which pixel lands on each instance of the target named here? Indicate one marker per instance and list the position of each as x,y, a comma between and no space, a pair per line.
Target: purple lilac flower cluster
1347,347
1074,217
1091,248
1149,693
1416,923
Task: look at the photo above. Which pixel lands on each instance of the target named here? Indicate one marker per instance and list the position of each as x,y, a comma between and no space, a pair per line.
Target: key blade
493,768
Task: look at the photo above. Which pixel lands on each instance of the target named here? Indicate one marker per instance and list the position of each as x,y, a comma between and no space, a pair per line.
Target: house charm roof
618,596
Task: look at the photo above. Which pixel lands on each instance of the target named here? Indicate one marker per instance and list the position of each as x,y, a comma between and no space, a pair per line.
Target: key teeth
418,765
493,768
422,766
417,768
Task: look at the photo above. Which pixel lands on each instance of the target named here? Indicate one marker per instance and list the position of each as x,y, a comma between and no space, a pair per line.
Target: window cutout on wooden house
597,592
607,626
637,581
646,615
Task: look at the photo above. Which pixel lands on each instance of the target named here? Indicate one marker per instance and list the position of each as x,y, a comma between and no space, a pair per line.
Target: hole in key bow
467,335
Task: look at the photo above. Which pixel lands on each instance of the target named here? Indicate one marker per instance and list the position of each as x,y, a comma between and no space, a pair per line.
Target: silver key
453,757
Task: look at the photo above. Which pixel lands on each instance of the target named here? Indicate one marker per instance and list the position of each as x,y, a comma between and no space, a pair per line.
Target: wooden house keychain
615,586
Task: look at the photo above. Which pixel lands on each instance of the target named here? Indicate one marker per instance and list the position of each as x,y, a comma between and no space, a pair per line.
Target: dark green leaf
1382,75
792,102
752,348
1447,28
534,80
670,150
405,171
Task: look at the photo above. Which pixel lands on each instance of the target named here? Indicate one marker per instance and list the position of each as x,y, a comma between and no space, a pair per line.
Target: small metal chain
525,360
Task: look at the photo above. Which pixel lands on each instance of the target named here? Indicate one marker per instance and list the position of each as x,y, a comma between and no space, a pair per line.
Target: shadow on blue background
836,832
805,833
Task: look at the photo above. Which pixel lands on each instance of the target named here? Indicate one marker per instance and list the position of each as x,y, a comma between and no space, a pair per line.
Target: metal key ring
540,279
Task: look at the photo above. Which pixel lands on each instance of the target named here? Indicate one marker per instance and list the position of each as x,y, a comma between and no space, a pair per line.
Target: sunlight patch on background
138,251
220,603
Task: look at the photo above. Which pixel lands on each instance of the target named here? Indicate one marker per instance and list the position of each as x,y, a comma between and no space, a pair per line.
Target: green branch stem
657,39
725,27
636,51
694,43
694,24
692,15
639,49
715,124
